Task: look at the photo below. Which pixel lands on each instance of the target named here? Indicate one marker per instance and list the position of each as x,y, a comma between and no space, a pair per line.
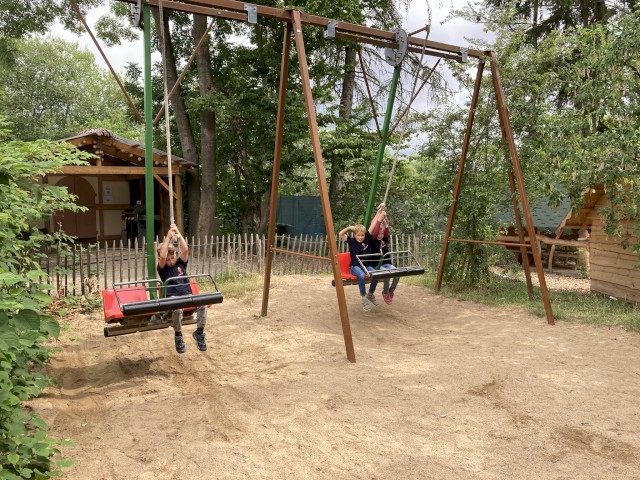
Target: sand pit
442,389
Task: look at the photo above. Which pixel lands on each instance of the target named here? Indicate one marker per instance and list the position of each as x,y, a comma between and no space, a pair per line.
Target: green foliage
26,450
484,185
53,90
354,150
575,103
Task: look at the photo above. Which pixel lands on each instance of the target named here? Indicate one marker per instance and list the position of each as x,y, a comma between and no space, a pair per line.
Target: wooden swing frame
294,20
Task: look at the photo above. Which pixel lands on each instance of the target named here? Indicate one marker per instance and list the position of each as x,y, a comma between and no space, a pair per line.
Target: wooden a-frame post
515,178
322,181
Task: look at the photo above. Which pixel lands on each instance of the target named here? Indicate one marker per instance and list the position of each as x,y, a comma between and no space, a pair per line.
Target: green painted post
148,142
382,146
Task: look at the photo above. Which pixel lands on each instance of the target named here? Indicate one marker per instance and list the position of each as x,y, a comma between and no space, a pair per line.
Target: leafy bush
26,450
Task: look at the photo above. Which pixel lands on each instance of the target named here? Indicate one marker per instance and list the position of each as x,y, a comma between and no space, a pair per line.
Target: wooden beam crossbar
489,242
110,170
298,254
234,10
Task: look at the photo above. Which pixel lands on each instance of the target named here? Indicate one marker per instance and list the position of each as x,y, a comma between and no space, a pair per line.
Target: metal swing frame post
148,141
383,144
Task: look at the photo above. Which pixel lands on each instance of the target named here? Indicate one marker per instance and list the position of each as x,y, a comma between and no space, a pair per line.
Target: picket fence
80,269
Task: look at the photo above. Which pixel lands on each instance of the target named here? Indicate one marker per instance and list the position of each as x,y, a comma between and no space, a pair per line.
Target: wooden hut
611,267
113,185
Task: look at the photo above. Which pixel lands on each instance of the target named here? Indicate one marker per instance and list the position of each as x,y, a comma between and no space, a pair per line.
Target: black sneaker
200,340
180,345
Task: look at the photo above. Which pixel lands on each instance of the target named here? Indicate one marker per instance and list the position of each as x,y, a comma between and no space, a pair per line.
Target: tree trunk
346,109
207,212
185,134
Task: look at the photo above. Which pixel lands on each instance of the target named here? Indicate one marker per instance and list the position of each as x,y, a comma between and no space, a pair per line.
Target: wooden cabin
561,247
112,187
611,267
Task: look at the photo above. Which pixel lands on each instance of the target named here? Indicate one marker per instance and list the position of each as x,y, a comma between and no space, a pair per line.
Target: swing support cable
166,111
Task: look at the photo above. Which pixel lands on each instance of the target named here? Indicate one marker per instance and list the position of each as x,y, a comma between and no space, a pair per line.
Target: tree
26,451
588,134
573,100
54,90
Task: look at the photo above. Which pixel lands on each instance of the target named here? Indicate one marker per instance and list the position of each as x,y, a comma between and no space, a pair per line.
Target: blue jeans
394,282
358,272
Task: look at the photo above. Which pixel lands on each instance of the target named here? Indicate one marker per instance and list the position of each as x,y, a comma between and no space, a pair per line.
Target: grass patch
591,309
242,284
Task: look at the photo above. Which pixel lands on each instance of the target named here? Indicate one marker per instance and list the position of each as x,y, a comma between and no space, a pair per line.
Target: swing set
396,45
142,305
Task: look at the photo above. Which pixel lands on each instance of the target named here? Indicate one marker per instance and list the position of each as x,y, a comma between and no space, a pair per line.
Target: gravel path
569,281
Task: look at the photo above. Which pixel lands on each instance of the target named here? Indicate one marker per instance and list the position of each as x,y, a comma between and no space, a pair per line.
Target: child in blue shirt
360,244
171,265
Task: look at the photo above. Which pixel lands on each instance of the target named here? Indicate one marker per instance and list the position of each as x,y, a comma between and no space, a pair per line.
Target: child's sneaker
180,346
372,298
200,340
366,306
387,297
390,297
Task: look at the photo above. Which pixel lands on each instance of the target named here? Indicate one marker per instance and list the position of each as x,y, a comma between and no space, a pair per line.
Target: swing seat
345,271
397,272
348,279
129,310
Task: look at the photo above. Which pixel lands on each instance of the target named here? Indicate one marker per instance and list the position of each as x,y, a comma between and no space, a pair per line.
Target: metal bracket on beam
330,31
252,13
464,52
394,56
136,14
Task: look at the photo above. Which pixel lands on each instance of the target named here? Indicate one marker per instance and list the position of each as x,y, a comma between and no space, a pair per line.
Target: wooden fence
80,269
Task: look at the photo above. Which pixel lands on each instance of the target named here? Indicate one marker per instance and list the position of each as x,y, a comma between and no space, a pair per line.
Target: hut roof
116,150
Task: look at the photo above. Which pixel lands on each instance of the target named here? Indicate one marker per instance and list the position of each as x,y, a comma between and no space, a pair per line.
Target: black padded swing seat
129,310
170,303
348,279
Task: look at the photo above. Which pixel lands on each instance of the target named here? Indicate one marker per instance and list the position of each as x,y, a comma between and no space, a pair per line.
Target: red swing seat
120,324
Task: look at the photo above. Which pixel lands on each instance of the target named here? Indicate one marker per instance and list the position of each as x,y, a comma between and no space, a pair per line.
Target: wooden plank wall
611,267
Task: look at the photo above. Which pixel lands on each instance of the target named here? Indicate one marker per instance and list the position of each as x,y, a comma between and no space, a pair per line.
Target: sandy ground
442,389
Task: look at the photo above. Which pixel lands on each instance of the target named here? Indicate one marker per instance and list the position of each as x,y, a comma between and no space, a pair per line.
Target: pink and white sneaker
387,297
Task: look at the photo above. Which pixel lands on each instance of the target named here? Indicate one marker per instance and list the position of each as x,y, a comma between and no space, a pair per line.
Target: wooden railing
80,269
